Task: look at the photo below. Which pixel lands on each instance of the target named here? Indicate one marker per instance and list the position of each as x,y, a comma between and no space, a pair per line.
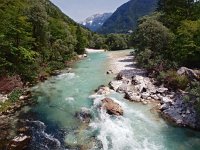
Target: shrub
147,60
14,95
173,80
56,65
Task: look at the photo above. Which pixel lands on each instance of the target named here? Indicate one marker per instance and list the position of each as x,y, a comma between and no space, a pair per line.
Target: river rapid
54,124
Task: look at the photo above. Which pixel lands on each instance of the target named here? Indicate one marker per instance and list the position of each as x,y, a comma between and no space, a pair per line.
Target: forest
37,37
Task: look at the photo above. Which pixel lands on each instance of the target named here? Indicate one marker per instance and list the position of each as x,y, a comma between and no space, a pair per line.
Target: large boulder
19,143
112,107
180,112
192,74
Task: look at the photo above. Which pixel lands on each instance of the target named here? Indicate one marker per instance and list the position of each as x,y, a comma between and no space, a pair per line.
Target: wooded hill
35,37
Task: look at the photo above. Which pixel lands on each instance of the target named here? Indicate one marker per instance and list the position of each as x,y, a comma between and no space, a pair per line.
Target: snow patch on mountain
96,21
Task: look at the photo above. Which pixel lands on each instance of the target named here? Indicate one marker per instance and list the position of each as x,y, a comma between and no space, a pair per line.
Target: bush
147,60
173,80
14,95
56,65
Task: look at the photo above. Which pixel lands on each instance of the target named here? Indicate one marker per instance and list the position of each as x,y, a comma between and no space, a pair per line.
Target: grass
4,106
12,98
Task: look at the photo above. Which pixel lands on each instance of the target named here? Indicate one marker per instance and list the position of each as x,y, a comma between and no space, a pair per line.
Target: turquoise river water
55,126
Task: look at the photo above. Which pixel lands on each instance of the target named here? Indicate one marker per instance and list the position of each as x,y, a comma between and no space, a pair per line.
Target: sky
79,10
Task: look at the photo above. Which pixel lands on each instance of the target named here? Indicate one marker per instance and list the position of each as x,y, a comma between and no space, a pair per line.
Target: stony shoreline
12,136
138,87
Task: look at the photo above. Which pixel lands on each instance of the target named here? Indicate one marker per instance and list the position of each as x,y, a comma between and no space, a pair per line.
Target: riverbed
55,126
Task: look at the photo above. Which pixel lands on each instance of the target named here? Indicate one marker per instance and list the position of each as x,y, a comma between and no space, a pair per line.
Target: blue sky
81,9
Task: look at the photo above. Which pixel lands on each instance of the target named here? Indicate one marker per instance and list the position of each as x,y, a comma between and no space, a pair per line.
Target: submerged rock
84,115
112,107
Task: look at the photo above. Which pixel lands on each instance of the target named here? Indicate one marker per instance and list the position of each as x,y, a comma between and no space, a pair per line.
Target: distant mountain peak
95,21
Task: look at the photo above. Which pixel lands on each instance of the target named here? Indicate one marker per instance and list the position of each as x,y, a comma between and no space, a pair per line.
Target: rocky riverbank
138,87
11,104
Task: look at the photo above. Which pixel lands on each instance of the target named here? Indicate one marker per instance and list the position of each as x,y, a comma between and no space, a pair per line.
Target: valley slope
126,16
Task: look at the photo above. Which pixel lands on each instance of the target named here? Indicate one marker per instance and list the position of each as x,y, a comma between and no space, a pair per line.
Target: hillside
96,21
126,16
35,37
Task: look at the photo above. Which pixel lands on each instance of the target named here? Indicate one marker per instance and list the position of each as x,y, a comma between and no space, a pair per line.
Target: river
55,126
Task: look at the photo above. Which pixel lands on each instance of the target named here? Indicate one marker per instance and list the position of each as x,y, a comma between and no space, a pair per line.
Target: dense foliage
153,41
110,41
35,36
171,38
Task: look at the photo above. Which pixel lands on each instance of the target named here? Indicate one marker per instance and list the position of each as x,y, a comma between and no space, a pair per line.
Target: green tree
81,41
187,44
16,39
154,43
38,18
116,42
153,35
176,11
97,42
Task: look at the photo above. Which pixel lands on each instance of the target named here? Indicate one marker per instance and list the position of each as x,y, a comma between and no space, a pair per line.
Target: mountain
96,21
126,16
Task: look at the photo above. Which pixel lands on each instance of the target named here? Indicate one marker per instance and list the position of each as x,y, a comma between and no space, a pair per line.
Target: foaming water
55,125
44,141
117,132
66,76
